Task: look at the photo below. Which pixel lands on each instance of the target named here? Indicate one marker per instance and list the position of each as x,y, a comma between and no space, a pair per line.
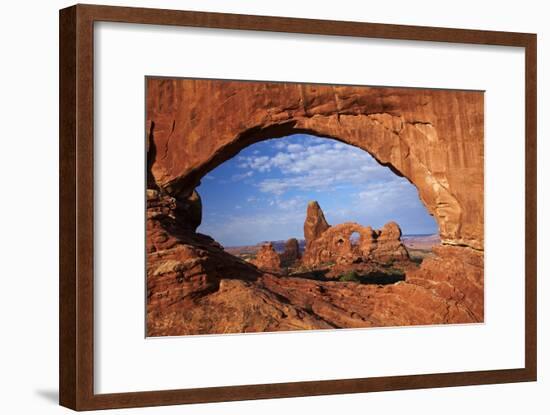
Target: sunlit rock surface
267,259
434,138
334,244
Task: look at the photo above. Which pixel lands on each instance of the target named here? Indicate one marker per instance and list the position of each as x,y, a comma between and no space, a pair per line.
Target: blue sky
262,193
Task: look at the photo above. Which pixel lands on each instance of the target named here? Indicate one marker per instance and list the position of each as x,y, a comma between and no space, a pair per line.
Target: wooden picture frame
76,338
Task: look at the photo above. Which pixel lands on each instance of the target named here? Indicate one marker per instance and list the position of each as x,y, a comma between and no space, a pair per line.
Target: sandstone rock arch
325,243
433,138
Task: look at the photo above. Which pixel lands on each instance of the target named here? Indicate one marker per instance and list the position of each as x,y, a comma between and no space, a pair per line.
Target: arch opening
354,238
261,195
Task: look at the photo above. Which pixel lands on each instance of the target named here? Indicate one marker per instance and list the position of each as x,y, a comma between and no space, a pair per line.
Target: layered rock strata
435,294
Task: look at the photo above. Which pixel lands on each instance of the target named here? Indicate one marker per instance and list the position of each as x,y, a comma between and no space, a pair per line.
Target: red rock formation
267,259
388,244
287,303
195,287
432,137
334,244
181,264
315,223
456,274
291,253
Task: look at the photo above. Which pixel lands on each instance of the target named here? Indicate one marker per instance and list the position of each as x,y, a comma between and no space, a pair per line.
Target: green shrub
350,276
395,272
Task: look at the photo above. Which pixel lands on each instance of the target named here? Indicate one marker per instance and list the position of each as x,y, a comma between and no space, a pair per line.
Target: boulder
267,259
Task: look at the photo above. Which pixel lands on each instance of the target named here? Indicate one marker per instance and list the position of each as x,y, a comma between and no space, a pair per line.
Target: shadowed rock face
433,138
291,253
335,245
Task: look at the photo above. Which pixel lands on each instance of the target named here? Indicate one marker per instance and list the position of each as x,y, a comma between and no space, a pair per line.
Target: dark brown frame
76,336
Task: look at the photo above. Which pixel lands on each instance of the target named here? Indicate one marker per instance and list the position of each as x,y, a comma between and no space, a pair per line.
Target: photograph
279,206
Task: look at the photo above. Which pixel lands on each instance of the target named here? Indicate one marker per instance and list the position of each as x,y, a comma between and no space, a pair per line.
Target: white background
28,221
297,356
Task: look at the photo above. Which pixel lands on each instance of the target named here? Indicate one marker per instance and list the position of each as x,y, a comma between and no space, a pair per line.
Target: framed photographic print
257,207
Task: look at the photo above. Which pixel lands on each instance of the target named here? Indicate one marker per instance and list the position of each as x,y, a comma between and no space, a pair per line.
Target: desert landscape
344,274
292,250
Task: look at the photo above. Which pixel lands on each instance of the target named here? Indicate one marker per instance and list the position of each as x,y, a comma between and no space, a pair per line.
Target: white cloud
238,177
319,166
260,163
297,204
294,148
388,190
245,228
397,193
